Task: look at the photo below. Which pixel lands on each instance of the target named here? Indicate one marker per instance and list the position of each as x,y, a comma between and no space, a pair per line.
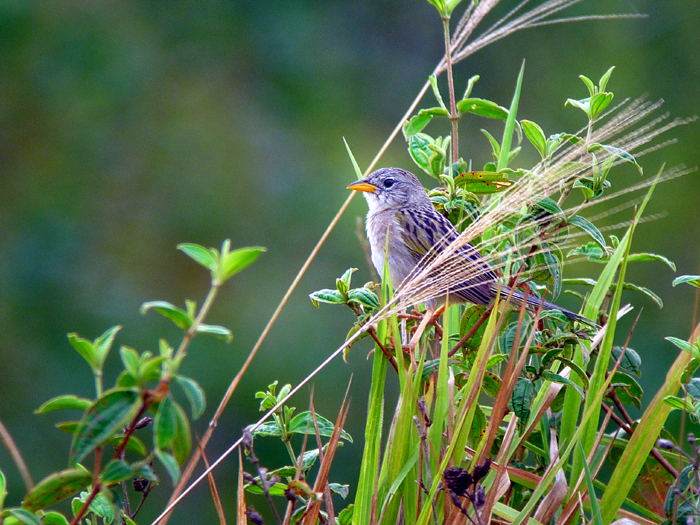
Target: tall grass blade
510,123
640,444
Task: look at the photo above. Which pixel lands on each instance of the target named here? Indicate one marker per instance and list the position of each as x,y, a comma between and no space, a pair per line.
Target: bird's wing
421,230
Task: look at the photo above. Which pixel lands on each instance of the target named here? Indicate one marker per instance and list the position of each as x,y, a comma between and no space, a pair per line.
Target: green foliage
141,395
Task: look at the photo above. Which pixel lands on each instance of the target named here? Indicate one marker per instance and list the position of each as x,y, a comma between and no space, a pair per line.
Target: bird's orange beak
361,185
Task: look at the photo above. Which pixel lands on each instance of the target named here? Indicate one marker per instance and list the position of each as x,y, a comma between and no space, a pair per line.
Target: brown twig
212,486
471,332
16,455
388,355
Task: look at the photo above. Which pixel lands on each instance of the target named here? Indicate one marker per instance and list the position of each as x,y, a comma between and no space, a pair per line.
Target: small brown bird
398,202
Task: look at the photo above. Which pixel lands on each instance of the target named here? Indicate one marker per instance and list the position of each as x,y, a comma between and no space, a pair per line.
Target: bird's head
391,188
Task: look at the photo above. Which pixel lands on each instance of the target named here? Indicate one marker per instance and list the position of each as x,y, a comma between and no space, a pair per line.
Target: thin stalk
454,116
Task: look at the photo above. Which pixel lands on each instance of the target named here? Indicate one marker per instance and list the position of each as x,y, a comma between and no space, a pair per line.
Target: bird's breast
400,260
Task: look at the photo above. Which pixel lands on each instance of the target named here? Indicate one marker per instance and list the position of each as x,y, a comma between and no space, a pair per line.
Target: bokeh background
129,127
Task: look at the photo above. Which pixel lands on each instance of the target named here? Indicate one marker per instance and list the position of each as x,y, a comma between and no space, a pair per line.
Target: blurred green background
129,127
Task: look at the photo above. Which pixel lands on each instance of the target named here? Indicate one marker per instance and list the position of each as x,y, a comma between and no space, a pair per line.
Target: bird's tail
535,302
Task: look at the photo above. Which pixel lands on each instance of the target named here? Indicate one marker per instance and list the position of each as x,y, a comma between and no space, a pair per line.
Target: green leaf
326,296
85,348
418,122
177,315
521,399
627,389
108,414
343,283
693,388
182,443
598,103
304,420
131,360
22,516
237,260
693,280
64,402
364,297
692,349
277,489
195,395
219,331
470,317
589,228
3,489
603,82
495,146
436,91
204,256
652,257
679,403
580,281
54,518
536,136
149,369
616,153
356,167
341,490
589,84
483,182
56,487
482,107
595,509
506,155
164,424
556,378
591,250
116,471
643,290
630,362
170,464
103,344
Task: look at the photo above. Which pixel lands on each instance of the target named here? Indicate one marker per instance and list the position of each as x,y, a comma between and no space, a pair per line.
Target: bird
399,204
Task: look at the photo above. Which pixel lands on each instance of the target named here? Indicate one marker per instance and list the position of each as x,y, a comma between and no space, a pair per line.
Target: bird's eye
388,183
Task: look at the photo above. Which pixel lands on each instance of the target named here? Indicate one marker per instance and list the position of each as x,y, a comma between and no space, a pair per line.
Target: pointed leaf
203,256
238,260
483,182
116,471
630,362
536,136
85,348
54,518
220,331
177,315
64,402
685,346
326,296
22,516
303,421
589,228
130,359
195,395
693,280
164,424
652,257
365,297
170,464
483,108
108,414
57,487
182,442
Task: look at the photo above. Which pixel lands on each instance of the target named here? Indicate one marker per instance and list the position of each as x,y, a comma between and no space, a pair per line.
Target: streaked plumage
398,202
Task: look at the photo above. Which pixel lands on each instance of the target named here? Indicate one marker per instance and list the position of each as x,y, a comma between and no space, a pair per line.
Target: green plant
111,426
